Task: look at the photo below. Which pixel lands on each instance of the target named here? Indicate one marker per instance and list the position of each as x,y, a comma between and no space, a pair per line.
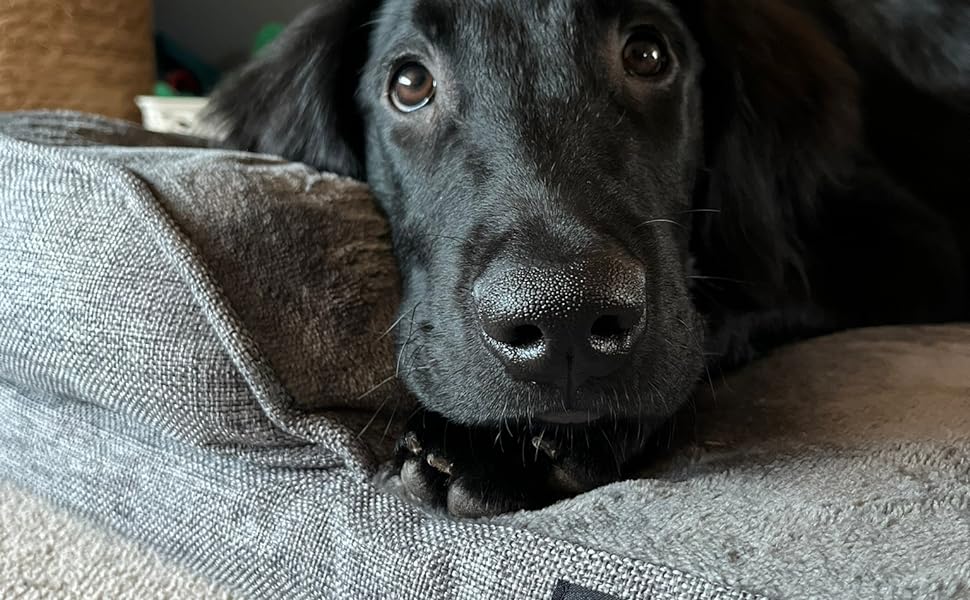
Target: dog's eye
412,88
645,54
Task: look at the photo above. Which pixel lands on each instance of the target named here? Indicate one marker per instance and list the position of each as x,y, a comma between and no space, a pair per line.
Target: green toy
266,34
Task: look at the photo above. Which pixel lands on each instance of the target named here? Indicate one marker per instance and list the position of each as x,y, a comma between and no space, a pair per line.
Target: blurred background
221,32
133,59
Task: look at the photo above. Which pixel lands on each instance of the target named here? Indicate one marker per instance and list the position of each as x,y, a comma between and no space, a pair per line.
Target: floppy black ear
782,116
297,98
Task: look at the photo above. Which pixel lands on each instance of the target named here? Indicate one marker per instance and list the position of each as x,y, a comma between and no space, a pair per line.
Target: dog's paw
477,472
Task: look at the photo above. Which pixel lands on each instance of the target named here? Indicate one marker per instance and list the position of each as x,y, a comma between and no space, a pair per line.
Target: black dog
591,200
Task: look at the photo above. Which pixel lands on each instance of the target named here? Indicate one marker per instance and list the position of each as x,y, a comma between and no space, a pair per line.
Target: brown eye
645,54
412,88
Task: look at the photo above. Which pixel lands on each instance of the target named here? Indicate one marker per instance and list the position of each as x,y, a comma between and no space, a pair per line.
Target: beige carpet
47,553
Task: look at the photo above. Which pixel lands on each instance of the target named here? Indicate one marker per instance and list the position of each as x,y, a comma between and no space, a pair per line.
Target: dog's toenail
411,443
549,448
441,464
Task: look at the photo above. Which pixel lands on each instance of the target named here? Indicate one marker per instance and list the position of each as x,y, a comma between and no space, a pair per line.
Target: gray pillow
230,299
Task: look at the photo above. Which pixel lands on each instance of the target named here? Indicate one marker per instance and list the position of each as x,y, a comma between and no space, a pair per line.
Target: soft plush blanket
191,347
46,552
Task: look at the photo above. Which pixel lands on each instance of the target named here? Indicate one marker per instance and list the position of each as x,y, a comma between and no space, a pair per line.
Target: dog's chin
540,406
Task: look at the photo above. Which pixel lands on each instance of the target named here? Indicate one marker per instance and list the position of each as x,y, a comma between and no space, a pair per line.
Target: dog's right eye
645,54
412,88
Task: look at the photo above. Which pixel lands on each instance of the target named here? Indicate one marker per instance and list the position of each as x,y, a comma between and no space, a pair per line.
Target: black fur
802,168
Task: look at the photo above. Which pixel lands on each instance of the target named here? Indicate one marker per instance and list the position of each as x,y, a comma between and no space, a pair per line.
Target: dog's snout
562,325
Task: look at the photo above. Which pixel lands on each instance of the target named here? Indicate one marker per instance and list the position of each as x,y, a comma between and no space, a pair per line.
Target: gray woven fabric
143,382
108,301
292,532
47,552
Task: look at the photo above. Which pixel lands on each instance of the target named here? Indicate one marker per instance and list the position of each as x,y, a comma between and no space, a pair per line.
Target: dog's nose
563,325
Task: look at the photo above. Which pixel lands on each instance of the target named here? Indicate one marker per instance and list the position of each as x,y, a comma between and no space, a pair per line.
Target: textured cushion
46,552
837,468
154,308
110,301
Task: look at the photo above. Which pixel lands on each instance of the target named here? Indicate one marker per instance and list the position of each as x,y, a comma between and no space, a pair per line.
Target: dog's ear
296,99
782,116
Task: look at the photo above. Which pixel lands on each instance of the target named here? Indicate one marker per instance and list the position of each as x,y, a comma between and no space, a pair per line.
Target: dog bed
47,552
192,354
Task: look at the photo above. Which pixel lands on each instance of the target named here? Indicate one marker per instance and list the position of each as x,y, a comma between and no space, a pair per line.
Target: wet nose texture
563,325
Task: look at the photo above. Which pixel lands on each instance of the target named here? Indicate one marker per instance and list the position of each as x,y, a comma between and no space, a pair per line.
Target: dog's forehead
547,43
502,21
495,27
437,17
441,11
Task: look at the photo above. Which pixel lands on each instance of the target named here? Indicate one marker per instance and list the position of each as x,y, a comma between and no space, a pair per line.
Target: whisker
398,321
707,370
373,418
384,402
616,457
505,422
656,221
390,421
400,354
377,387
671,433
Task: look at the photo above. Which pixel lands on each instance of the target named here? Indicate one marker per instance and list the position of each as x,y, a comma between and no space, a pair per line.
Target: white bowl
177,114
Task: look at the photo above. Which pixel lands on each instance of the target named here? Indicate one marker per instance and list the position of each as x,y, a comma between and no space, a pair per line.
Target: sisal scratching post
88,55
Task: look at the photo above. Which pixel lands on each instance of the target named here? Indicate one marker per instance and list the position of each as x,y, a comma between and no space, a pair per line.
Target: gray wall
221,31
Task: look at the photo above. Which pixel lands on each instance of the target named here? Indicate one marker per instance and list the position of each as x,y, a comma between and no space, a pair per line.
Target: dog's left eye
412,88
645,54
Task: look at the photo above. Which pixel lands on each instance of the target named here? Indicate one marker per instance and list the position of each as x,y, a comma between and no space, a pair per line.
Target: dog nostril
525,335
608,326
